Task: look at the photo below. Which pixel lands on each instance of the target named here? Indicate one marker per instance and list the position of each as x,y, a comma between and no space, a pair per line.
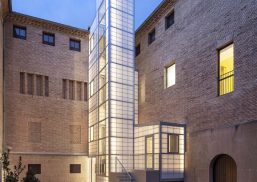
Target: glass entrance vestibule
161,148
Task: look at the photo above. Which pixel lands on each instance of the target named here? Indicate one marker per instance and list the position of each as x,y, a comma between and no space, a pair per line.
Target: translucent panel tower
112,89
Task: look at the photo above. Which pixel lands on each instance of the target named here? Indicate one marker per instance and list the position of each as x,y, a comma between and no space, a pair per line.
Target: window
151,37
46,86
48,38
102,161
75,168
22,83
71,89
36,168
170,75
91,134
39,88
149,152
85,91
79,90
64,89
39,85
74,90
169,20
74,45
226,70
173,143
30,79
19,32
138,50
91,88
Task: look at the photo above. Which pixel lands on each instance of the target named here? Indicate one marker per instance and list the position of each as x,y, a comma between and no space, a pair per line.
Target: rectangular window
102,161
91,88
39,85
48,38
75,45
138,50
36,168
64,89
226,70
30,78
170,75
19,32
149,152
75,168
85,91
22,83
79,90
71,89
169,20
91,134
173,143
46,86
151,37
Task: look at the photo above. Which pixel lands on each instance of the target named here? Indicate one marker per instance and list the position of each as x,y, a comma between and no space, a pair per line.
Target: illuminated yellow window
170,75
226,70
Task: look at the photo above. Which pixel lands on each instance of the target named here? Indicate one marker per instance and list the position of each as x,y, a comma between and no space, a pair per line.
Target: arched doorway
223,169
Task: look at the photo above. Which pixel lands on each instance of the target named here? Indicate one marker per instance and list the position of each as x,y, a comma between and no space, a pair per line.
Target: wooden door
224,169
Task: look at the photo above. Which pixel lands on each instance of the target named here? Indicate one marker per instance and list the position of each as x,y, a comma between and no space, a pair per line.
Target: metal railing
117,161
226,83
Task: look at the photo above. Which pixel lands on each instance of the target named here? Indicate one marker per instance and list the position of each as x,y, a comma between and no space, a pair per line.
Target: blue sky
77,13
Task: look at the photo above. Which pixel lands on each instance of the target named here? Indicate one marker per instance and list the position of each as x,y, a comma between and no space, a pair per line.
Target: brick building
195,63
187,40
45,96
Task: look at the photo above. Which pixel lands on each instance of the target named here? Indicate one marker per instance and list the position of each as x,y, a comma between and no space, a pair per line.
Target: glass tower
111,89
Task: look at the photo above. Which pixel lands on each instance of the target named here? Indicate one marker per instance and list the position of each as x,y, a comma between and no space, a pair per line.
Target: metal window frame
75,41
47,42
21,28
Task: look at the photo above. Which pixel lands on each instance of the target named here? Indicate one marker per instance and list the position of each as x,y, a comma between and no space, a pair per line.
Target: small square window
151,37
75,45
173,143
19,32
138,50
169,20
48,38
75,168
170,76
35,168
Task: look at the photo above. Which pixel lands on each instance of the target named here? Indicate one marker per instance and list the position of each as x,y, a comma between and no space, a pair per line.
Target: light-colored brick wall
55,168
52,116
215,125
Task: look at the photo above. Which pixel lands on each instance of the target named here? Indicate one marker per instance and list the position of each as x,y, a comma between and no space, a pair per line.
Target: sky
76,13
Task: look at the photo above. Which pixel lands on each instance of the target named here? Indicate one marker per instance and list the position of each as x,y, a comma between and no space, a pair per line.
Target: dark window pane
30,84
138,50
22,83
36,168
74,45
49,39
75,168
151,37
85,91
39,85
46,86
19,32
169,20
